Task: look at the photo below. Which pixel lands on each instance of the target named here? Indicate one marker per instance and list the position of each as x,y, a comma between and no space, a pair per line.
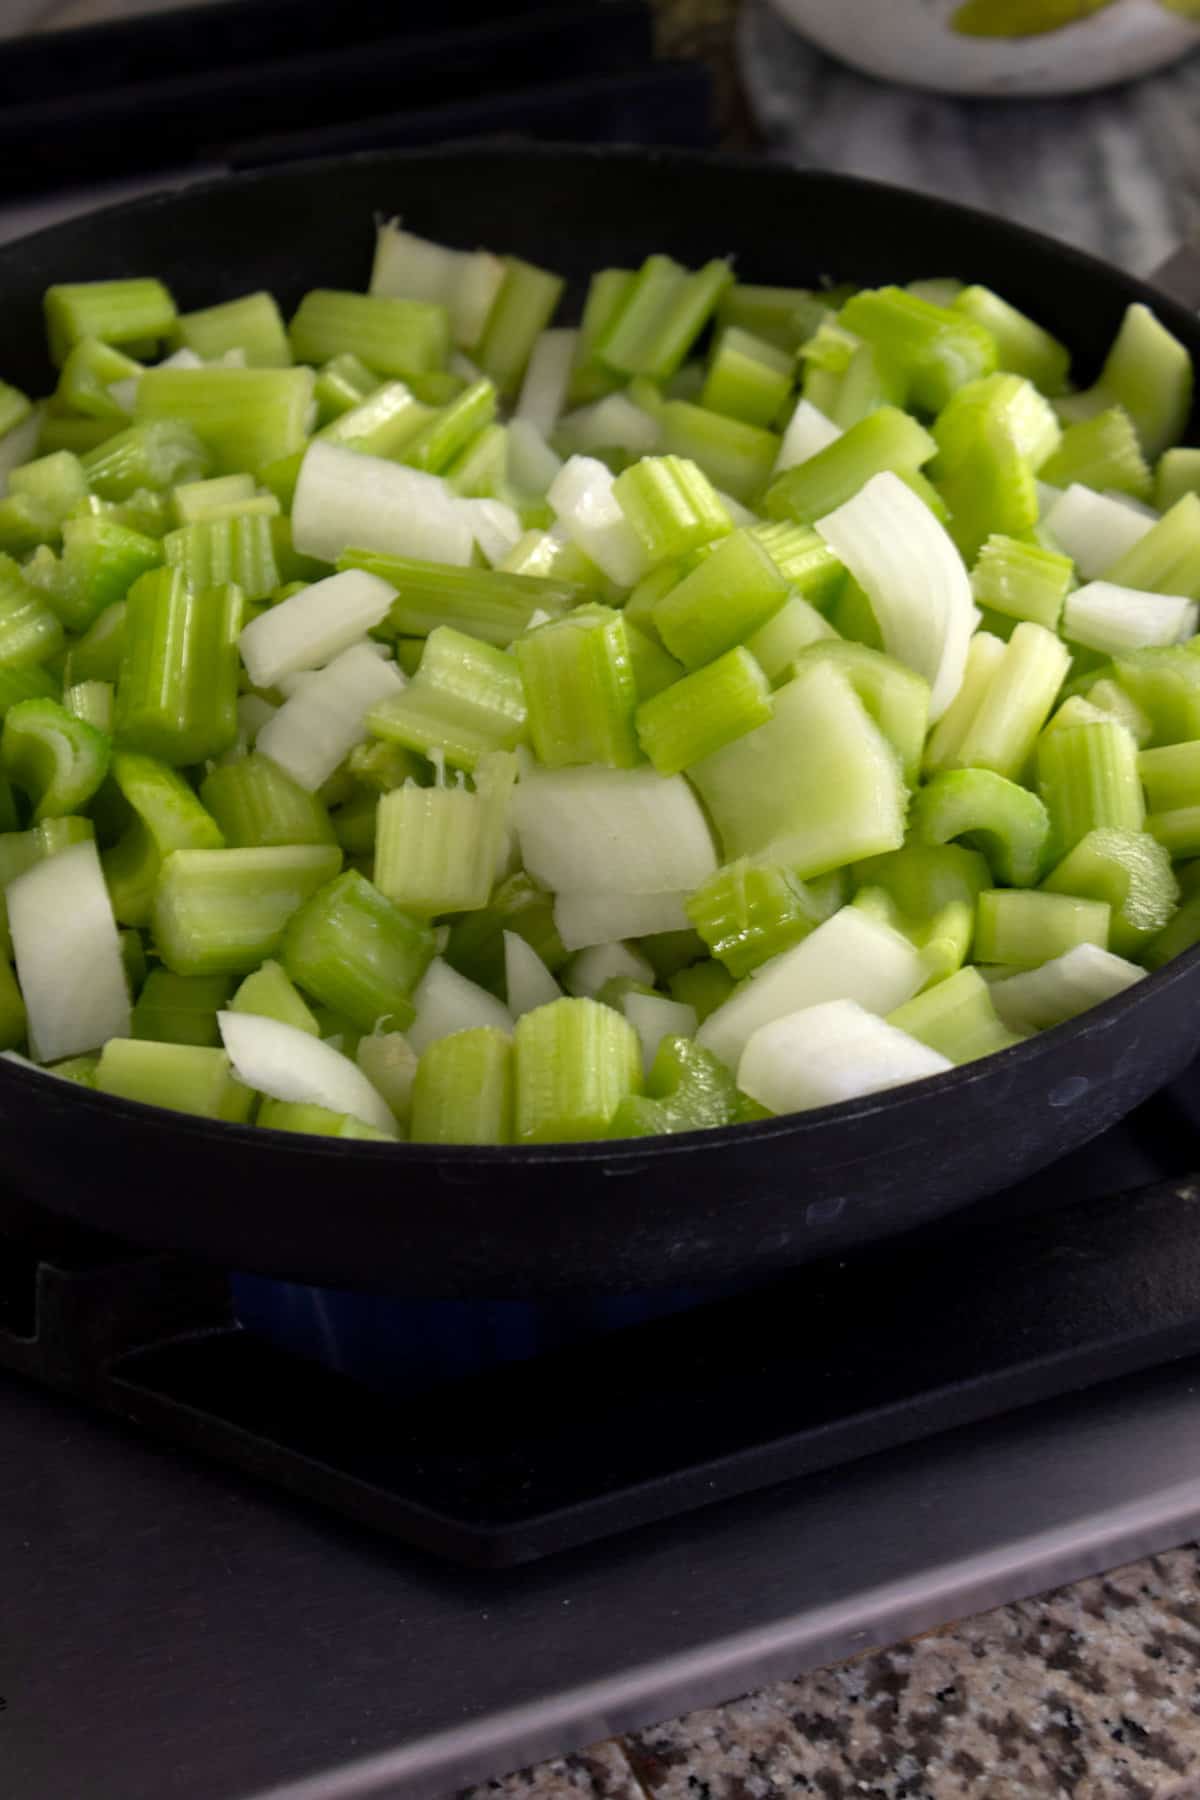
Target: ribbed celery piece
521,311
55,483
937,348
490,604
24,524
15,409
13,1022
706,710
1021,580
476,943
671,505
100,561
144,511
270,993
784,316
661,314
341,384
580,689
991,438
750,912
793,629
887,440
25,684
896,698
956,1017
383,423
702,985
1165,684
724,600
653,667
131,311
687,1089
1088,778
89,370
178,680
804,559
437,849
1005,822
252,324
483,712
255,803
224,911
1023,347
354,950
748,377
181,1009
183,1076
452,428
30,632
1167,559
317,1121
1024,929
96,656
164,815
576,1060
211,552
463,1090
736,457
155,454
1103,453
58,760
818,786
606,295
1015,704
1177,474
245,417
219,497
1171,776
1131,873
1105,696
1149,373
393,337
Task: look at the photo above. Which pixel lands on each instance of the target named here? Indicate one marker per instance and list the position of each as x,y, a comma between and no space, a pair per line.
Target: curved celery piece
1006,823
687,1089
936,348
896,698
1130,871
933,889
1103,453
749,912
1165,684
352,949
166,816
462,1092
57,759
224,911
1148,372
956,1018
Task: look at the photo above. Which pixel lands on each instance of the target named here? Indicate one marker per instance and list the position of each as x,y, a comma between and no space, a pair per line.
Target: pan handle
1179,276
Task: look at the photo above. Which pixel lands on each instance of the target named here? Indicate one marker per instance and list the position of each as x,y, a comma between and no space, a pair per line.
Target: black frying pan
609,1217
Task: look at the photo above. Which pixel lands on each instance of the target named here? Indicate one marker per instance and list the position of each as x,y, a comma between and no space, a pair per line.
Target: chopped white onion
654,1017
313,626
613,423
544,389
588,972
408,267
527,981
494,526
585,919
389,1062
851,956
612,831
808,431
346,499
590,514
1062,988
835,1051
532,464
447,1002
319,725
1106,617
1094,530
68,954
916,581
289,1064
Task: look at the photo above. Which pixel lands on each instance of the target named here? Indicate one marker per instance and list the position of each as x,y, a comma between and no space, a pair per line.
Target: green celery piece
933,889
1006,823
804,559
465,701
463,1090
437,849
653,667
270,993
1178,830
825,360
256,803
224,911
165,816
703,985
1105,696
145,512
181,1009
96,656
1179,935
317,1121
956,1018
1131,873
81,1069
239,549
380,767
480,472
24,524
100,561
895,697
543,555
476,943
1167,559
706,710
663,312
1023,928
749,912
341,384
748,378
669,951
1088,778
452,428
937,348
815,788
783,316
178,680
156,454
1177,474
384,423
73,431
984,654
671,505
354,823
687,1089
606,295
393,337
30,632
490,604
246,418
25,684
576,1060
987,481
1023,347
736,457
351,948
185,1077
14,408
1021,580
521,311
789,632
437,387
723,601
13,1023
1165,684
252,324
55,758
1015,704
580,689
116,312
54,482
1171,776
1101,452
221,496
1148,372
887,440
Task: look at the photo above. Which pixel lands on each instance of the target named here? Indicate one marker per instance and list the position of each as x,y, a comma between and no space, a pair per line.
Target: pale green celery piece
1167,559
463,1090
1005,822
1023,929
317,1121
736,457
100,561
1149,373
58,760
895,697
1006,402
704,985
12,1009
165,815
1107,697
1165,684
73,431
1022,580
780,315
96,656
654,669
354,823
580,689
184,1077
662,313
389,1062
270,993
1179,935
825,360
869,382
246,418
671,505
31,683
24,524
1171,776
722,602
252,324
437,849
687,1089
54,483
704,711
1023,347
748,377
749,912
1101,452
480,472
804,558
934,889
14,408
452,428
224,911
521,311
384,423
466,699
984,655
1132,874
638,609
117,312
793,629
1016,703
145,512
575,1061
888,440
1178,830
216,497
816,787
178,681
938,348
1088,778
956,1018
989,488
341,384
669,951
544,555
30,632
476,944
1178,473
393,337
437,387
256,803
606,295
181,1009
237,549
155,454
380,767
353,949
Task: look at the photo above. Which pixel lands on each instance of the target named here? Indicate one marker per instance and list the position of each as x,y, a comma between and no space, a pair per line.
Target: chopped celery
703,712
671,505
353,949
251,324
491,604
462,1092
317,1121
1027,928
895,697
575,1061
1088,777
523,307
58,760
437,849
956,1017
245,417
937,348
1021,580
887,439
1131,873
750,912
181,1009
723,601
271,994
737,457
255,803
580,689
179,1074
224,911
177,683
748,378
116,312
661,313
393,337
1006,823
1103,453
1022,346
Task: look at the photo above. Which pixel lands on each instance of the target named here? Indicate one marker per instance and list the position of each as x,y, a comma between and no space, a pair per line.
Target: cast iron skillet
605,1217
